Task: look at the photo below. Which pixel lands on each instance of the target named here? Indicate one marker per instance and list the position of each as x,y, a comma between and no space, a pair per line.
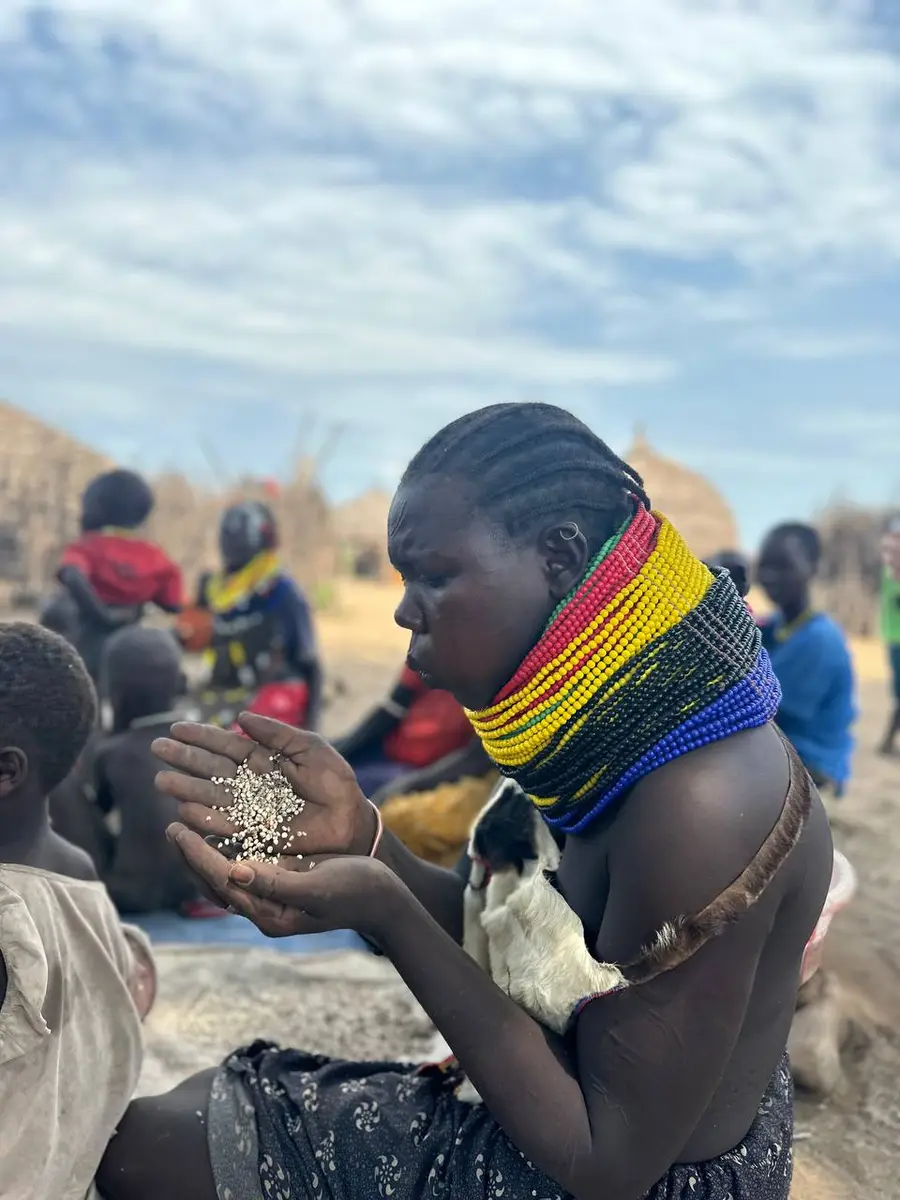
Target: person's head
788,562
119,499
495,521
736,565
246,530
143,673
48,709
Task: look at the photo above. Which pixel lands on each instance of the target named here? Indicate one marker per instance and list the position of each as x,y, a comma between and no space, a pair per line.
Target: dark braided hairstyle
530,465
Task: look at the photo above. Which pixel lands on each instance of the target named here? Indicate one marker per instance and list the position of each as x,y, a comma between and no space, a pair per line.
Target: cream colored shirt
70,1034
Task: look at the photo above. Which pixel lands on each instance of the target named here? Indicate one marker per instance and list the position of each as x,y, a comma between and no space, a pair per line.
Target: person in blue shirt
262,653
810,656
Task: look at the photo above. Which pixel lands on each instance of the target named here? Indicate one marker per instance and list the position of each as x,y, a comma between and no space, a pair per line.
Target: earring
569,537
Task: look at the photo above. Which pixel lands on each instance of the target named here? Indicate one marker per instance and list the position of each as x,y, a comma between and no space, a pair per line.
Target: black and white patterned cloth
285,1125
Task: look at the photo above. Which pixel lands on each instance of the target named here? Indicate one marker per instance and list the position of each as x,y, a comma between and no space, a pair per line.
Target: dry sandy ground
350,1005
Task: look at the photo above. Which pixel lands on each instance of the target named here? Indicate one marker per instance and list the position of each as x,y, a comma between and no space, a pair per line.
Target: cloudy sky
226,226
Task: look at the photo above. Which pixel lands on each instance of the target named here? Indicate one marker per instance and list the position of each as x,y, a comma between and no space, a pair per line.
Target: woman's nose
408,615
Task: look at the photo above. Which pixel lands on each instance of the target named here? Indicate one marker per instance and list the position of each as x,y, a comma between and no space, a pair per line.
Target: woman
810,656
262,653
624,688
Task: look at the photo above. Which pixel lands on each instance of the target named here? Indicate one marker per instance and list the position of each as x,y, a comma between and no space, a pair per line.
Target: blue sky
226,227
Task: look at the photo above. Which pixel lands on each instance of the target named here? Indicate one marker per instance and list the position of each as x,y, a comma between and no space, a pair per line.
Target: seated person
810,657
417,738
144,873
74,983
111,573
262,653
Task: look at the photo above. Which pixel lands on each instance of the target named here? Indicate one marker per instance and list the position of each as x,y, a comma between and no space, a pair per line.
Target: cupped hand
309,895
336,818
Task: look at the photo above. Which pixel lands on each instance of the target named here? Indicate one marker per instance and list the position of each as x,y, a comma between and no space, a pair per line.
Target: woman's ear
565,552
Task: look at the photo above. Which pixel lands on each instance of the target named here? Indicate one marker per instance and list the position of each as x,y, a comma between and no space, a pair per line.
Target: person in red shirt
111,573
417,739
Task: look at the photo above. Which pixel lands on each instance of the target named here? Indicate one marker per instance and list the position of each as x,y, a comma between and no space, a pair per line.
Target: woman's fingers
204,860
207,752
204,821
215,871
195,760
213,739
277,737
193,791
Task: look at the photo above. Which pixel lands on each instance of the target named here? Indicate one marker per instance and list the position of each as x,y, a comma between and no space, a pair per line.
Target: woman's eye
435,581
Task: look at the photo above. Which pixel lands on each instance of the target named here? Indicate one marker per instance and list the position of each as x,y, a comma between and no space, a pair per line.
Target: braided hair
532,464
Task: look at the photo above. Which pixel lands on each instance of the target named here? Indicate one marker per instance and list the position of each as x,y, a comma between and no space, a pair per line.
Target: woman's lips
415,664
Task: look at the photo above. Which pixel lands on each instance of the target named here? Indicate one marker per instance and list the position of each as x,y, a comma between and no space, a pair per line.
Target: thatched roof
363,522
43,472
691,503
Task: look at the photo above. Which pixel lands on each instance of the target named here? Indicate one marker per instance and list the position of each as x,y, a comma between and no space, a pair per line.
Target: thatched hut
186,521
361,529
850,575
43,472
691,503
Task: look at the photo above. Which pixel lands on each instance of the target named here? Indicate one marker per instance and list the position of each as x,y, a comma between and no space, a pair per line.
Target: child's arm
170,596
89,603
142,979
381,721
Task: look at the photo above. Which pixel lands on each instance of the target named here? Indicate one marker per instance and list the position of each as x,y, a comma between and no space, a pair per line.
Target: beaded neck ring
650,657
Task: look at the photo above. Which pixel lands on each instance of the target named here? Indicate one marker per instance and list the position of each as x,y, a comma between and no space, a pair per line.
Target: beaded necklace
649,658
226,591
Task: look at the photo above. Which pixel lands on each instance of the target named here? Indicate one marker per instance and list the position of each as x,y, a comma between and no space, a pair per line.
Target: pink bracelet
379,831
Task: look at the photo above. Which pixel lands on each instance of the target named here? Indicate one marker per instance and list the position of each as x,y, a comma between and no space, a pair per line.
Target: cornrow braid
533,462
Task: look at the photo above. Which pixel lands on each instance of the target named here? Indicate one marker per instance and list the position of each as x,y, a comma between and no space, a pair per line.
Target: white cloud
386,197
801,345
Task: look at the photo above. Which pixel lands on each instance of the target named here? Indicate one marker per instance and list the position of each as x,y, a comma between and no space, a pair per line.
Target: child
73,984
109,572
262,654
143,676
810,656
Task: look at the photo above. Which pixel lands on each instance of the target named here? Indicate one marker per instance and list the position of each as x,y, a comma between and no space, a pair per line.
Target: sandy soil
847,1148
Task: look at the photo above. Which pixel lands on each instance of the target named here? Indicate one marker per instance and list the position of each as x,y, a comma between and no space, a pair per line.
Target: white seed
262,809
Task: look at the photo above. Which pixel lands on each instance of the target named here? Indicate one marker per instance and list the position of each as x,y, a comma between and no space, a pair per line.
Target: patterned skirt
284,1125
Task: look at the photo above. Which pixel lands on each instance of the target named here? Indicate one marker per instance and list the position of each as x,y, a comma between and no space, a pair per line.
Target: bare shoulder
691,830
66,859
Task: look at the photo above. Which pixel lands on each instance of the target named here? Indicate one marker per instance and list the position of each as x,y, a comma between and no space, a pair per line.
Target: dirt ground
850,1146
858,1132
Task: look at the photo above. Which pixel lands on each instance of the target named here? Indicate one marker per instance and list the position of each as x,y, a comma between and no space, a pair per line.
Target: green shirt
890,610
